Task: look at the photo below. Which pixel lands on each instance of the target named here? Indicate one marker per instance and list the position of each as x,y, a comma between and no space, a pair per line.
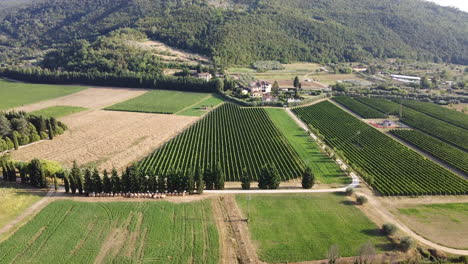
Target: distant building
405,78
260,86
359,69
205,76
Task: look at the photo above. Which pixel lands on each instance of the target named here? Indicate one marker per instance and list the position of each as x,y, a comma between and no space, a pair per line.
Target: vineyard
359,108
234,137
445,131
443,151
391,168
439,112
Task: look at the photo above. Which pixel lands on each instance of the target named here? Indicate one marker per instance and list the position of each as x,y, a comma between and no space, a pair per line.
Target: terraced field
234,137
388,166
118,232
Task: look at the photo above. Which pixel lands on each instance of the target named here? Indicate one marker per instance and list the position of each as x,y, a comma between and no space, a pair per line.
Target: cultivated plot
58,111
107,139
324,169
202,107
19,94
119,232
292,228
161,101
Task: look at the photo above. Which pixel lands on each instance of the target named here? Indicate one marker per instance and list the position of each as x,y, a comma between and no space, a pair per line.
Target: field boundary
188,107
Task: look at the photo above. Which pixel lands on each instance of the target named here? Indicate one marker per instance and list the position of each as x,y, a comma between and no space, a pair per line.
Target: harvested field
91,98
107,139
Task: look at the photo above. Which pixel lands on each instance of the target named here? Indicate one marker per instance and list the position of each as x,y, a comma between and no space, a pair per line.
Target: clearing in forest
118,232
325,170
302,227
160,101
19,94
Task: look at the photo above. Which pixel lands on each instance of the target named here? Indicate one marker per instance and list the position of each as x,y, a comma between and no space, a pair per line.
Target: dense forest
244,31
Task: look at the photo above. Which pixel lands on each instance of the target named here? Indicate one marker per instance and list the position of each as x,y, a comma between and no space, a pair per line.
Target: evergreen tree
89,186
50,129
152,183
115,180
106,182
246,179
161,183
66,183
97,182
200,184
308,179
275,88
134,176
208,178
190,182
37,174
269,178
126,184
72,183
15,140
219,178
296,82
171,180
77,177
56,185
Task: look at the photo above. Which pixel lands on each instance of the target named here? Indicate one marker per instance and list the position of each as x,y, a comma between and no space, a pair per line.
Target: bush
349,191
389,229
361,200
407,243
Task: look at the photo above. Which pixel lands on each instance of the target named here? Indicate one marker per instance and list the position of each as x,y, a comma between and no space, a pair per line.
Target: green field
118,232
160,101
291,228
58,111
19,94
325,170
198,109
233,137
14,200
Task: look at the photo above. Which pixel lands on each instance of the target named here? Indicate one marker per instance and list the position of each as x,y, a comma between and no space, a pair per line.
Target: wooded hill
243,31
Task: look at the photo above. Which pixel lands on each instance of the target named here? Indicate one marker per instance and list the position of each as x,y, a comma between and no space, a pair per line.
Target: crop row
439,112
391,168
443,151
445,131
359,108
234,137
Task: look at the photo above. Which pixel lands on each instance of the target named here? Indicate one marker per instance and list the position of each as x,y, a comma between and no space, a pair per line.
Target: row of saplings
404,243
132,183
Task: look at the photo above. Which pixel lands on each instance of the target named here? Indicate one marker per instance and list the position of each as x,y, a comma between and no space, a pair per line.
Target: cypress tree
269,178
106,182
35,172
66,182
308,179
199,181
88,182
219,178
50,130
152,183
275,179
4,172
115,180
296,82
161,183
208,178
190,182
15,140
126,183
181,185
134,176
77,178
23,170
245,179
72,183
56,185
97,182
170,178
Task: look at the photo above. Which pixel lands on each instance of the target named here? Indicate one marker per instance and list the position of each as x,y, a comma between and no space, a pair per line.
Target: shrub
389,229
407,243
349,191
308,179
245,180
43,135
361,200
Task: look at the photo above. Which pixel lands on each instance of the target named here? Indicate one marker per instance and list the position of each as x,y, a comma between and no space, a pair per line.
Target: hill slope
242,31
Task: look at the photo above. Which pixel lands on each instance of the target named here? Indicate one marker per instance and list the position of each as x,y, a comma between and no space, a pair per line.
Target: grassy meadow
58,111
14,200
197,109
117,232
301,227
19,94
325,169
160,101
442,223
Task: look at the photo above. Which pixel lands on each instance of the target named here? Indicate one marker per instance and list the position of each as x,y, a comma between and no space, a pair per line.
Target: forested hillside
242,31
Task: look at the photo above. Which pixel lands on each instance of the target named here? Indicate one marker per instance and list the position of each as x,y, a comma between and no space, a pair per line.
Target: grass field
197,109
118,232
324,169
291,228
19,94
441,223
58,111
160,101
14,200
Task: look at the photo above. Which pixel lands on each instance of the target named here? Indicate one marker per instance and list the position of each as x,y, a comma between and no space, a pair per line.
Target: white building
405,78
205,76
260,86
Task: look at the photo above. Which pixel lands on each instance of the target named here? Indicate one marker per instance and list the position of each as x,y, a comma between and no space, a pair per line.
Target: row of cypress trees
31,173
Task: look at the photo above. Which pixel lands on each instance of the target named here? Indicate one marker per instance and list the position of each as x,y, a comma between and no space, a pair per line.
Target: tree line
21,128
123,79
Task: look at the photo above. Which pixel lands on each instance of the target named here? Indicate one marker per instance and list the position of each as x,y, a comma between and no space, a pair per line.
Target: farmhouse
260,86
205,76
405,78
